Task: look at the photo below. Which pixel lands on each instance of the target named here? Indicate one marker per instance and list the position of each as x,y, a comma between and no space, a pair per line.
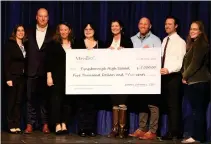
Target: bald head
42,17
144,26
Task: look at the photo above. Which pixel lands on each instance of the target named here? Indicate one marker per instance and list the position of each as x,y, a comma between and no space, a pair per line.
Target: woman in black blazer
14,66
56,68
87,111
117,41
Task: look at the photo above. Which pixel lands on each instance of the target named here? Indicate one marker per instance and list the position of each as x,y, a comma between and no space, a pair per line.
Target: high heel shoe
12,131
64,128
58,129
18,130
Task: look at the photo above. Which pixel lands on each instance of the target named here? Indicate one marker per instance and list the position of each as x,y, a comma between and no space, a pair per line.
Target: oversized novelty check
105,71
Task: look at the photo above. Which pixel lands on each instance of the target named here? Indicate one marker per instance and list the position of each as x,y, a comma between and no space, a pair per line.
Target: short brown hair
13,35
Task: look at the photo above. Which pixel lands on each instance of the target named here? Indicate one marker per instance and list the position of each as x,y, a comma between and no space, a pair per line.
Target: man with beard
145,39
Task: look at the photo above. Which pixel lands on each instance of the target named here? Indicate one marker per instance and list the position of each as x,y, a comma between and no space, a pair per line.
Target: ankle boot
122,122
115,127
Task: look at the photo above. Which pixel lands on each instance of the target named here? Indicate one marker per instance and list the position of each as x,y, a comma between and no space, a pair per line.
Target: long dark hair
57,36
190,41
13,35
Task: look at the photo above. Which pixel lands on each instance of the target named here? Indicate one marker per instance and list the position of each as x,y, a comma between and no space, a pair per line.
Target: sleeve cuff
170,71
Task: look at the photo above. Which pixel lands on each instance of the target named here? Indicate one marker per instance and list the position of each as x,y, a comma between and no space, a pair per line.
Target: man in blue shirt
145,39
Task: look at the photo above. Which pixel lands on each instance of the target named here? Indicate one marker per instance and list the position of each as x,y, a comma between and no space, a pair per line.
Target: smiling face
116,28
20,33
64,31
89,31
144,26
170,26
194,31
42,17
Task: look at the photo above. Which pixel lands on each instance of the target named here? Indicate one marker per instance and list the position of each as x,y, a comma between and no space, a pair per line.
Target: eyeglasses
88,29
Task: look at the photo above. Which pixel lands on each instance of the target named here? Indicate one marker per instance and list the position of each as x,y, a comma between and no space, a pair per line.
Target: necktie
164,54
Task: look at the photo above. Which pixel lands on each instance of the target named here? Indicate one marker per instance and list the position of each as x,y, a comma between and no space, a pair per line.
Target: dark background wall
101,12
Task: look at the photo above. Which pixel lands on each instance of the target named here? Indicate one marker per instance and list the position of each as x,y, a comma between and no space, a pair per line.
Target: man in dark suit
39,37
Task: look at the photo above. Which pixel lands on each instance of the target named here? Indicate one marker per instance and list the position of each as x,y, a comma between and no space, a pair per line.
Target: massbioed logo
85,58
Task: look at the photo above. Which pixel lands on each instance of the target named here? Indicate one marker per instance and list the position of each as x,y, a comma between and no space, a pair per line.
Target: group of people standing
34,62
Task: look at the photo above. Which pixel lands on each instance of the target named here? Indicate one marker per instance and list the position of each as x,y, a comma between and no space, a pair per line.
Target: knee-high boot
115,127
122,122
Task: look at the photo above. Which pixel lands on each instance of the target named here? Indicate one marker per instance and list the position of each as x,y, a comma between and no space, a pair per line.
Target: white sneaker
189,140
58,127
64,127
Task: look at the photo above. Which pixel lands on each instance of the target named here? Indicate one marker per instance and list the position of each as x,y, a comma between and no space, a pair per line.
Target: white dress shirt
40,36
175,52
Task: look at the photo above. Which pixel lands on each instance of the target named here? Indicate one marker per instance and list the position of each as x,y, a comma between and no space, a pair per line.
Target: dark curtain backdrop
101,13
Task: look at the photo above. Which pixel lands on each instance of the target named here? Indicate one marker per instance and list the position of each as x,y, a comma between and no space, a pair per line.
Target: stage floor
40,138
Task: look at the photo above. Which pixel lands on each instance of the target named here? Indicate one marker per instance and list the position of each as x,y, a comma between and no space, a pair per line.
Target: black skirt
118,100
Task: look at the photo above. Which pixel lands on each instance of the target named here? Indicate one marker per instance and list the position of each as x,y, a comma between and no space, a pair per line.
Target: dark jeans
171,101
195,122
36,100
16,95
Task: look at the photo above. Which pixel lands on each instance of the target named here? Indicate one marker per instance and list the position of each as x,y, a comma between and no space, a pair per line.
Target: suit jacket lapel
35,39
47,36
19,50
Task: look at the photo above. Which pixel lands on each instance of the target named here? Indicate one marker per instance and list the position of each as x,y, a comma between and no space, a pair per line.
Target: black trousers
37,100
87,112
195,122
16,95
171,99
61,104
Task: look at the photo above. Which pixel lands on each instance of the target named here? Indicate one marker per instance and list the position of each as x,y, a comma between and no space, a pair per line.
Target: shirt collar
172,35
39,29
146,36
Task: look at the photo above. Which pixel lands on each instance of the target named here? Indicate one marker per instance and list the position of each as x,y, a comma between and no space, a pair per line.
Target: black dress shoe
82,133
169,136
92,134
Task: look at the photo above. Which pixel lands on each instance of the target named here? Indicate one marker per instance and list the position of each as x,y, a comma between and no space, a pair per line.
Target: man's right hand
9,83
50,81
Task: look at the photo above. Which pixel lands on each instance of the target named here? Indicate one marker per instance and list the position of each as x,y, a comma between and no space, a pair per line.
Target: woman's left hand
184,81
119,48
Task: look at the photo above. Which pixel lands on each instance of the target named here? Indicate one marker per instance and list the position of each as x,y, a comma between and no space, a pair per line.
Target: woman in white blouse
117,41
